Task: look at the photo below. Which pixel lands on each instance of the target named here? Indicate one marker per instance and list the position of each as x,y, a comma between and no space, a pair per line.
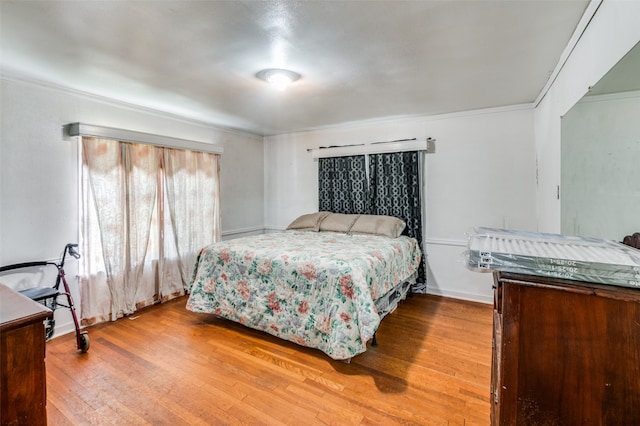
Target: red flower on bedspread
249,256
299,340
209,286
345,317
243,290
345,286
225,255
264,266
308,270
303,307
274,304
323,323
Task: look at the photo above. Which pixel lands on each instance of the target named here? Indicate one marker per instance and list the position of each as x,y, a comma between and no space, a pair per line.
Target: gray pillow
308,222
387,226
338,222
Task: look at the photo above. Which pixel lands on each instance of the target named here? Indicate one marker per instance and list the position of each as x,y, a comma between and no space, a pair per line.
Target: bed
326,282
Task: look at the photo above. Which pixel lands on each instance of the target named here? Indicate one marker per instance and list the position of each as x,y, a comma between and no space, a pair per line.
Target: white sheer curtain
192,184
122,179
134,251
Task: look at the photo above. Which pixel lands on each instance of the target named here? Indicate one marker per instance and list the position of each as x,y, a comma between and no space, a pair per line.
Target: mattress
554,255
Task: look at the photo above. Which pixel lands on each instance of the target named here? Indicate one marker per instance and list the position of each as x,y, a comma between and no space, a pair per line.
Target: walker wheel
85,343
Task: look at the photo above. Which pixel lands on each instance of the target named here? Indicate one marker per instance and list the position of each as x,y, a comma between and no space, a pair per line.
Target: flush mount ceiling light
278,78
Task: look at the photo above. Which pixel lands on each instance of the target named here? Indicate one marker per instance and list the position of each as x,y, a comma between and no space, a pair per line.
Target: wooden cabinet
23,392
565,353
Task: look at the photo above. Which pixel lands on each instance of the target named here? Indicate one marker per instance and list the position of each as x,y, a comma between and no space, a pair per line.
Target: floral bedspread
316,289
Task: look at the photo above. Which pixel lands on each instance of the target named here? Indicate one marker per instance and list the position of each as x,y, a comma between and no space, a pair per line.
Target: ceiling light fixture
278,78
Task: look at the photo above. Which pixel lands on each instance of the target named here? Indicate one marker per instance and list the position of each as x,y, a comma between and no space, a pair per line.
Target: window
146,212
391,185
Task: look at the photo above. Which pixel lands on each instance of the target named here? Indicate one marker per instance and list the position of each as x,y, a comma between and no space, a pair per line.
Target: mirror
600,156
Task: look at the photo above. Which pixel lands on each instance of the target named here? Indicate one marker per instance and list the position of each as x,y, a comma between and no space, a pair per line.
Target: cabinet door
570,355
24,394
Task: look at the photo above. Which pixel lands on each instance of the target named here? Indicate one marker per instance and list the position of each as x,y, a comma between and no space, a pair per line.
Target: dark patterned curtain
394,186
343,185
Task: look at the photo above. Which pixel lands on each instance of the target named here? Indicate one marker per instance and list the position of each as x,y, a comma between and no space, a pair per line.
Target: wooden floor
167,365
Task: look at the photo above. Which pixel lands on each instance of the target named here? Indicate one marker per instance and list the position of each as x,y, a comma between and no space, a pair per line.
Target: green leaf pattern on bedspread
316,289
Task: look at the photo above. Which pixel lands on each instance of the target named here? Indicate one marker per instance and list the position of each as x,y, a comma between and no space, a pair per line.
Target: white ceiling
359,60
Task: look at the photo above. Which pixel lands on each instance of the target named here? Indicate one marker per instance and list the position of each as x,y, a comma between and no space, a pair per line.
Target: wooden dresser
565,352
23,391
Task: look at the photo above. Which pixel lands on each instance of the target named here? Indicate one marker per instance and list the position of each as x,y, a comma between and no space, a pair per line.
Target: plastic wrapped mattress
553,255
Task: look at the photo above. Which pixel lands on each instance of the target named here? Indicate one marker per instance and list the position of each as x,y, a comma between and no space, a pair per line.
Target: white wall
39,169
601,166
613,31
482,174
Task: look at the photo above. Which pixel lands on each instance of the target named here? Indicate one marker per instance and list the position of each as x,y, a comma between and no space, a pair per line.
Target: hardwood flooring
166,365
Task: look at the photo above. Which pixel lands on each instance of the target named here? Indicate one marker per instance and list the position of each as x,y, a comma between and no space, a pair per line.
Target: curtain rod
81,129
399,145
360,144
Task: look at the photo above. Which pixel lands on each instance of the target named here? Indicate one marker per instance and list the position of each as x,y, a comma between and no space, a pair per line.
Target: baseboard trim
271,228
236,232
459,295
445,242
